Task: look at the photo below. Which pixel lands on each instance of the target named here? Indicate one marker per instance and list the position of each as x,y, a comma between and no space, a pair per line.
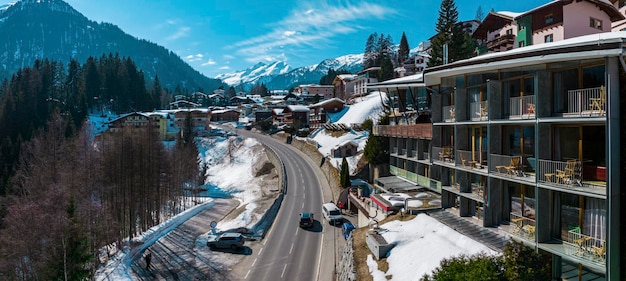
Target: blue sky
219,36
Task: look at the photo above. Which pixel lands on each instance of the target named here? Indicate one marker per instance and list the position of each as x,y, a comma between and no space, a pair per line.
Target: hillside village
485,139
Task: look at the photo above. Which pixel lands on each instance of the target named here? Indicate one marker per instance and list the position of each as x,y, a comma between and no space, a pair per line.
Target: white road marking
291,250
283,274
303,205
246,277
297,231
254,262
260,251
319,261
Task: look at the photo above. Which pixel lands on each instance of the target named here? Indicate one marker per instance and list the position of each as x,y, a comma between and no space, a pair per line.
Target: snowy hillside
368,107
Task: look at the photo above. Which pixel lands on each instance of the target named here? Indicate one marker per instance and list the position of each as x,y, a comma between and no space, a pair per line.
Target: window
595,23
549,19
548,38
521,27
521,44
509,31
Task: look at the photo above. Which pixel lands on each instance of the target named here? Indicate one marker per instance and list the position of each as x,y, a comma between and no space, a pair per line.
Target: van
331,213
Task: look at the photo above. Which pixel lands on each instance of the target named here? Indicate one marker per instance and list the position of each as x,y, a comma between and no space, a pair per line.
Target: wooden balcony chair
530,109
452,118
445,154
513,168
566,176
484,110
599,252
597,104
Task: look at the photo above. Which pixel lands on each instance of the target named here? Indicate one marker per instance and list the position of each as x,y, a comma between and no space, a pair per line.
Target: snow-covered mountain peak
278,75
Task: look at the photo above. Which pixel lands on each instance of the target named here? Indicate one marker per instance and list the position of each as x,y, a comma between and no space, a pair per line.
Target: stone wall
346,269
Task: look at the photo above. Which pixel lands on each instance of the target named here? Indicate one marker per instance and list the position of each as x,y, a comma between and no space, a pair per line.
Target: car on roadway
346,228
331,213
234,241
306,220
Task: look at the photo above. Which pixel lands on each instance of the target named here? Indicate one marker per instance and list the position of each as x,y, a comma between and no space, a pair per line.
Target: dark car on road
346,228
306,220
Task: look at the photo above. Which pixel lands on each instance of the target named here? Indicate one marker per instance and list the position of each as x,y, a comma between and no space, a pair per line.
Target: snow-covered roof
222,111
298,108
577,48
415,80
510,14
278,111
346,142
326,101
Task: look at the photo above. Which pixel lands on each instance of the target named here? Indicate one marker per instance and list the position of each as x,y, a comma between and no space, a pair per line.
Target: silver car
233,241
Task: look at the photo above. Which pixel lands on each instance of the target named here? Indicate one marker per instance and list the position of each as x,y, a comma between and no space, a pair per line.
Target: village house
344,85
345,149
296,116
225,115
319,110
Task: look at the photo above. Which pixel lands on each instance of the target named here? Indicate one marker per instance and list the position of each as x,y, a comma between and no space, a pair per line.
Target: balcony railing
585,246
560,173
449,114
423,130
586,102
501,42
523,226
394,150
479,110
522,107
425,156
403,151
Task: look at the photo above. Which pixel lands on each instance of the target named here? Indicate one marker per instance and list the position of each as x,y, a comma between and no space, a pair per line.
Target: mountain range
52,29
280,76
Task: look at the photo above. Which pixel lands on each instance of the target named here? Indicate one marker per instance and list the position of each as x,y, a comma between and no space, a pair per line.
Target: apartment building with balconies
409,132
528,141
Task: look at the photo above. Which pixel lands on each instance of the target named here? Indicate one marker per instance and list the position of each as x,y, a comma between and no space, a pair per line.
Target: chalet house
199,97
497,31
559,20
238,100
344,85
215,99
200,119
325,91
317,116
278,116
225,115
296,115
135,120
179,104
555,21
345,149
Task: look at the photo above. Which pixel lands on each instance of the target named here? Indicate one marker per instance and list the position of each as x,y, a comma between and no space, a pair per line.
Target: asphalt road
289,252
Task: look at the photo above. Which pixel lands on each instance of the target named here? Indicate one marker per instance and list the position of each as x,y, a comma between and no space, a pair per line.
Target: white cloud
209,62
180,33
194,58
228,57
310,27
226,67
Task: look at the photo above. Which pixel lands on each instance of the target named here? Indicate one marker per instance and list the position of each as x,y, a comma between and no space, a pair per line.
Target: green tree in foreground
376,149
518,262
344,176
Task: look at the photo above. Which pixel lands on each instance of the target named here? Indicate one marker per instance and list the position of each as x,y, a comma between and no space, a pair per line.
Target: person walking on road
148,258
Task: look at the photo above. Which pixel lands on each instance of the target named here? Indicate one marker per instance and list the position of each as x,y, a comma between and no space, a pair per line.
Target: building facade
528,141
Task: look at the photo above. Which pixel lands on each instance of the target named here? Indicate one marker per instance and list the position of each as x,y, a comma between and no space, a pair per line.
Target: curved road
289,252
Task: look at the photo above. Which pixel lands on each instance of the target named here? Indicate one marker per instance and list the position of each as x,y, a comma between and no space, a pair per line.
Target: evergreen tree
76,260
376,149
344,175
479,13
370,54
450,32
386,68
403,50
